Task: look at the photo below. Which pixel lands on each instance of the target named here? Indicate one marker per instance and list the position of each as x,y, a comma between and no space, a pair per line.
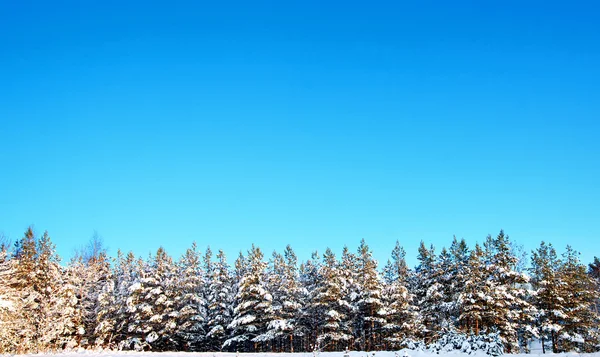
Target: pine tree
86,275
308,320
13,323
429,292
190,330
549,293
401,314
286,306
348,268
508,310
253,306
579,331
333,333
220,303
370,306
155,318
458,277
473,297
117,303
594,272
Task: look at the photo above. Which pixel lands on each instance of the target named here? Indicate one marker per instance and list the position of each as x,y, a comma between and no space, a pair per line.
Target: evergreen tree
86,275
220,303
401,314
594,272
429,293
459,252
352,322
283,284
579,330
13,309
473,298
116,303
508,309
308,321
190,330
370,307
333,333
253,306
550,293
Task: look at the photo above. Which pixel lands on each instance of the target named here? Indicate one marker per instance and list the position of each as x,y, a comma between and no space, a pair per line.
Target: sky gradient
158,124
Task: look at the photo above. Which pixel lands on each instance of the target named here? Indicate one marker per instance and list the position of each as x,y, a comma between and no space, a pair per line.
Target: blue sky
300,122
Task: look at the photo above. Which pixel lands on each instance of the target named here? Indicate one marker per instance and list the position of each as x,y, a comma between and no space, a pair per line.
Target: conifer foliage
463,299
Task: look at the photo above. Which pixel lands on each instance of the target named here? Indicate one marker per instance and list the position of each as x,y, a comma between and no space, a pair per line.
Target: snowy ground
322,354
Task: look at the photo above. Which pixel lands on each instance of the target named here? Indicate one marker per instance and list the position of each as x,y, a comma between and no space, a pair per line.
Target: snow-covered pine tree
253,307
136,310
276,323
284,287
549,294
459,252
579,332
429,292
473,298
87,273
348,269
594,272
446,279
370,305
155,315
292,296
13,322
207,274
508,309
333,333
401,314
111,309
220,303
190,330
116,312
308,321
53,303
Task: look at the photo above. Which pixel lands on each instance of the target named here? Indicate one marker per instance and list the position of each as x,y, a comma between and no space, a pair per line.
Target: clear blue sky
300,122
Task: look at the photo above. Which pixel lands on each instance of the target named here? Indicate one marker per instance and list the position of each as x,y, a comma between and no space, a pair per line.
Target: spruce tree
190,330
579,331
401,314
549,298
509,310
220,303
253,307
333,333
370,306
308,321
429,292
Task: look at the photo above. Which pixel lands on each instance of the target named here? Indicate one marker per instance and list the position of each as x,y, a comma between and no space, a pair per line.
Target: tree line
201,303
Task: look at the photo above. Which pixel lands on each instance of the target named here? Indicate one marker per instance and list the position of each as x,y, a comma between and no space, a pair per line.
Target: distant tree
594,272
594,269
